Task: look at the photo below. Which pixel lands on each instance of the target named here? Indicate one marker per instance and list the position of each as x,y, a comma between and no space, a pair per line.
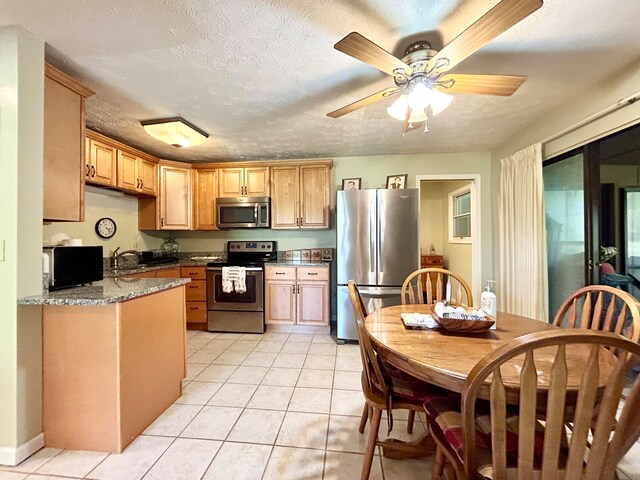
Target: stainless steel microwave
244,212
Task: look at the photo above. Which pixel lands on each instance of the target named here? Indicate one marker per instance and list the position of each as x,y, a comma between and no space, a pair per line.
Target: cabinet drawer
194,273
313,273
168,273
280,273
196,291
196,312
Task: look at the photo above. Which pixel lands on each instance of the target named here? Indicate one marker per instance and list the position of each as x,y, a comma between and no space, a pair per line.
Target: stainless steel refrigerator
377,247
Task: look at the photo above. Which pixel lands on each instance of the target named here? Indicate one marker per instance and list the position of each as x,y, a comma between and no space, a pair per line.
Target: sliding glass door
564,198
592,200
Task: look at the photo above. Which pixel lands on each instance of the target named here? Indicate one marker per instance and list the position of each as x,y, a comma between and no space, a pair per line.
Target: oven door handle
248,269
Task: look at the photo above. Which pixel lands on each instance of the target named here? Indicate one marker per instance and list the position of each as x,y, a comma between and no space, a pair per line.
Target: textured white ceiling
260,75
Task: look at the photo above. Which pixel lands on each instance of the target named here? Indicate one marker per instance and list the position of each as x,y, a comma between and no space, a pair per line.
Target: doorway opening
449,225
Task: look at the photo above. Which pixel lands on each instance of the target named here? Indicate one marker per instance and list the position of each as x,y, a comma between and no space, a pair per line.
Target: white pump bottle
488,301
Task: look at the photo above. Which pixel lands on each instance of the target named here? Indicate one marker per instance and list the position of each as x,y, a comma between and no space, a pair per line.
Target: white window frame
452,196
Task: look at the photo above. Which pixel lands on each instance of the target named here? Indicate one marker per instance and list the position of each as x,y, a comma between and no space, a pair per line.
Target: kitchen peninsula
113,359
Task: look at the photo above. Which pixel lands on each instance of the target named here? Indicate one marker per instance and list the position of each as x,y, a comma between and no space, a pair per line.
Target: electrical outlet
134,245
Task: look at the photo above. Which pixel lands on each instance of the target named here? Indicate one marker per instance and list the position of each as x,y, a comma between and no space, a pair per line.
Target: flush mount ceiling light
175,131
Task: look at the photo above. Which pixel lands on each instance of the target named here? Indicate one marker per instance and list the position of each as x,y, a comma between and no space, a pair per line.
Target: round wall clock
106,227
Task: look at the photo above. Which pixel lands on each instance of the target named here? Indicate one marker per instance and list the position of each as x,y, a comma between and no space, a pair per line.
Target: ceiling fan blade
496,21
501,85
363,49
363,102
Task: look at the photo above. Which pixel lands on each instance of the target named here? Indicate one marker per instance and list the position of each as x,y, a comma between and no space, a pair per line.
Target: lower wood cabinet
173,272
297,295
110,370
196,295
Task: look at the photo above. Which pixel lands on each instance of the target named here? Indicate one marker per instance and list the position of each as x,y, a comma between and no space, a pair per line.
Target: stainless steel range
239,312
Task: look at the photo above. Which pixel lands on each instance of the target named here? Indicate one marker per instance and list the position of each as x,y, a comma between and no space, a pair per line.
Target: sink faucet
115,256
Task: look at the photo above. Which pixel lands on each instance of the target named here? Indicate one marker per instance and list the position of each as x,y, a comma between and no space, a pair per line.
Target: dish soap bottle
488,301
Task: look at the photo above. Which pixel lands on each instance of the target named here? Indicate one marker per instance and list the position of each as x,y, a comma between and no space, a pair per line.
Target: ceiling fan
421,75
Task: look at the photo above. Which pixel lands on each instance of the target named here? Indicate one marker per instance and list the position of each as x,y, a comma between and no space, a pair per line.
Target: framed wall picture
351,183
397,181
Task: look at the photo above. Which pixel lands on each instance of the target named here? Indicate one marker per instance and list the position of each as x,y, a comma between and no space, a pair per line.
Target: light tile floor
279,406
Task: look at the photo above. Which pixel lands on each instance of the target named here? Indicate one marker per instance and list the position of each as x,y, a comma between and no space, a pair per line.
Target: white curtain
523,248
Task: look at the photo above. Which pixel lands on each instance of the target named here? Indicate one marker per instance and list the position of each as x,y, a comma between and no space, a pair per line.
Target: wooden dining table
445,359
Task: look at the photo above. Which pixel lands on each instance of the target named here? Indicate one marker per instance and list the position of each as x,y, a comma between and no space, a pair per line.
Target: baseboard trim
13,456
284,328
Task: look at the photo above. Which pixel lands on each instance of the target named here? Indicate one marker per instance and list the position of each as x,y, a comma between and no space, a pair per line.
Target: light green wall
21,147
100,202
372,169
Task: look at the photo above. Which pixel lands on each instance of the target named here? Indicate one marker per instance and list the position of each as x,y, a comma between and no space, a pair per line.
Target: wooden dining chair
419,287
384,388
601,307
503,442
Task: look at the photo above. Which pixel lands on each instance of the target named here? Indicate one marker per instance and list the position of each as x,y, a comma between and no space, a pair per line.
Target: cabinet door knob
86,174
93,171
141,183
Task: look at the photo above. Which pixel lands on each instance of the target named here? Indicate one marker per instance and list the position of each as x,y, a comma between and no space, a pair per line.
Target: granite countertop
131,270
109,290
297,263
199,261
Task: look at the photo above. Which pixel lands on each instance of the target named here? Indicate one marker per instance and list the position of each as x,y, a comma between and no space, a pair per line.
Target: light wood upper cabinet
314,196
175,198
300,197
114,165
137,175
284,197
204,199
231,182
102,164
148,174
64,148
256,181
127,171
250,181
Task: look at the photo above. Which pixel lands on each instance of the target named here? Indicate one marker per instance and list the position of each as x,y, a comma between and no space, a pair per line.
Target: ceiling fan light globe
398,109
439,101
420,97
417,116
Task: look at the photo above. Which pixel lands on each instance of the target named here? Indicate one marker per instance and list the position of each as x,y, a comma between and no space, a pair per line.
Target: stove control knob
269,247
263,246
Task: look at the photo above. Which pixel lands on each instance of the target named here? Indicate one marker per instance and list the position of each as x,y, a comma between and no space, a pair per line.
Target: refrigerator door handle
372,239
374,292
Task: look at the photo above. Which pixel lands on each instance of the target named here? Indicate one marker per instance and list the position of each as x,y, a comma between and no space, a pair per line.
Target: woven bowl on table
453,324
